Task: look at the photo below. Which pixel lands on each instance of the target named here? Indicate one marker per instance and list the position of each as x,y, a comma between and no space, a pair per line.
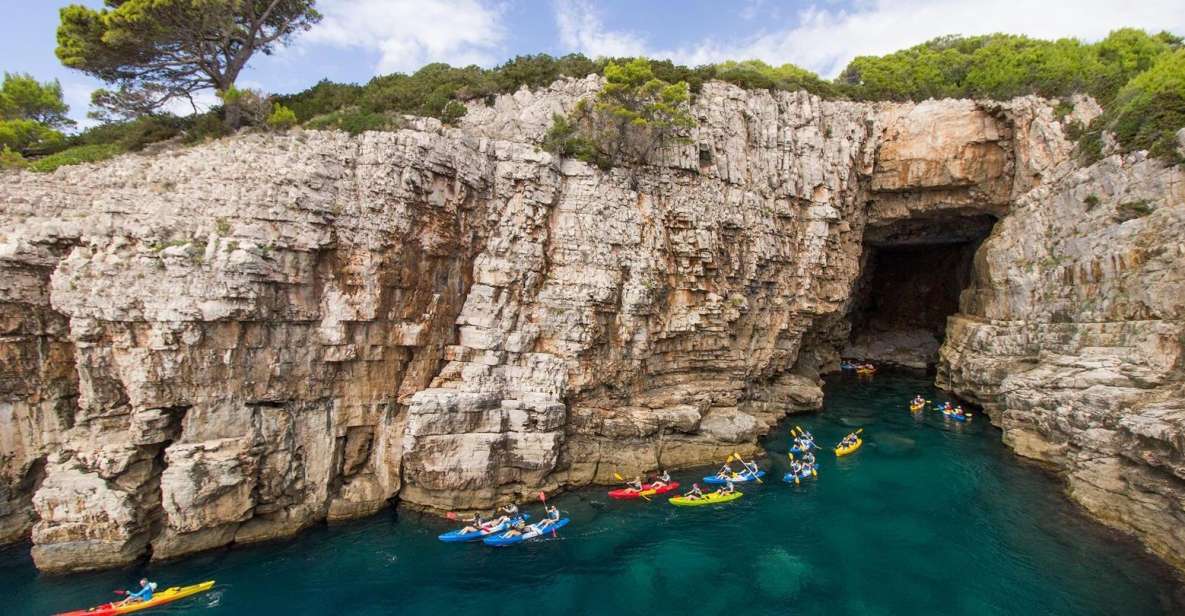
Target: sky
359,39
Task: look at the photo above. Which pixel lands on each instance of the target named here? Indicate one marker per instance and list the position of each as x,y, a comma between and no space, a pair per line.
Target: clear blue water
930,517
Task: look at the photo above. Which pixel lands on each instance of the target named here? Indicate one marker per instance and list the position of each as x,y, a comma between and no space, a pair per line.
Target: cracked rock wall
227,343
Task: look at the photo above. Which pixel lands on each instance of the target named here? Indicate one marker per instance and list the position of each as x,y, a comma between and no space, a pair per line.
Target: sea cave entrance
911,276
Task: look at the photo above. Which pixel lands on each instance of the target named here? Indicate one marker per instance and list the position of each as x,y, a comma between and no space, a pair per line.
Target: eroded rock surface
230,342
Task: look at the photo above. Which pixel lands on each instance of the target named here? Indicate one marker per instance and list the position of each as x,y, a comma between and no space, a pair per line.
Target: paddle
543,499
752,471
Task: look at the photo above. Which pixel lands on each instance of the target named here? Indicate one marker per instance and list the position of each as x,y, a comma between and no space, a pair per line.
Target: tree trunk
232,115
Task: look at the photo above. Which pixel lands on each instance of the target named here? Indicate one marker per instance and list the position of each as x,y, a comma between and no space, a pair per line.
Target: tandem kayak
457,536
169,595
647,490
744,477
809,446
843,451
530,532
711,498
806,473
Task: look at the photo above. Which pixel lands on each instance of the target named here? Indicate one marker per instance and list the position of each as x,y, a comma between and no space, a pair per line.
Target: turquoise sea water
929,517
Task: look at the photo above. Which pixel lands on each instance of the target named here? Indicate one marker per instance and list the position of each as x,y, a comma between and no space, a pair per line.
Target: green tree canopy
635,112
24,98
31,113
155,51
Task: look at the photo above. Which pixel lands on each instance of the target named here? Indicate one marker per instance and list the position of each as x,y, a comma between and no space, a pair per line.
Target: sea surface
929,517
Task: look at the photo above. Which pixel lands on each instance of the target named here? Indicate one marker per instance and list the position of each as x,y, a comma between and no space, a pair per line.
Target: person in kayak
727,488
725,471
750,468
795,468
661,480
694,493
144,594
808,459
475,524
509,512
516,528
634,486
918,400
848,440
553,516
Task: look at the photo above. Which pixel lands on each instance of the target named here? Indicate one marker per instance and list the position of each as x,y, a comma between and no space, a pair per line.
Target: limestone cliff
230,342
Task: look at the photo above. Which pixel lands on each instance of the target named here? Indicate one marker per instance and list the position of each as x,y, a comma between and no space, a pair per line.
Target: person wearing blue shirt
144,594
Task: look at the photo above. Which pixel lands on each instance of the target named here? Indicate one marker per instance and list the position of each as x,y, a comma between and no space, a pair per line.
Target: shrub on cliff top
1001,66
1149,110
633,115
75,155
281,118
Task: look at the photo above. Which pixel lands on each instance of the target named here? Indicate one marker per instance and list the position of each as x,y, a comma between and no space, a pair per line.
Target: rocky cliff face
230,342
1071,336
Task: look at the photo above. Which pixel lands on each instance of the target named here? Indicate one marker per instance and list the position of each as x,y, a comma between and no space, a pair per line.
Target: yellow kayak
913,408
169,595
843,451
710,498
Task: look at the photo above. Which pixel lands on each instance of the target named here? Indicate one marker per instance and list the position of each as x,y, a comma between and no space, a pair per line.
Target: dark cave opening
912,274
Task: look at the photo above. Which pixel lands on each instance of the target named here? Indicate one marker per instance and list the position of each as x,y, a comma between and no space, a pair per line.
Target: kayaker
516,528
144,594
808,458
509,511
695,493
728,488
635,485
848,440
661,480
725,471
553,516
475,524
796,468
750,468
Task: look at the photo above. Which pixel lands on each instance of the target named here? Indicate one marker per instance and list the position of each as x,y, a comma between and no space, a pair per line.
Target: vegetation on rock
32,115
1136,77
156,51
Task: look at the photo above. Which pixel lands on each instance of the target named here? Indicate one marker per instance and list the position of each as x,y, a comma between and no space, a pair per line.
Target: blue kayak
530,532
744,477
810,446
804,474
456,536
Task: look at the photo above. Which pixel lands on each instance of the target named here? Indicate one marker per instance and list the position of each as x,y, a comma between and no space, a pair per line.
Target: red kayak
647,490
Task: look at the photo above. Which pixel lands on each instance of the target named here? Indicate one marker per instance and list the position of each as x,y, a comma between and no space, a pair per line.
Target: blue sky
361,38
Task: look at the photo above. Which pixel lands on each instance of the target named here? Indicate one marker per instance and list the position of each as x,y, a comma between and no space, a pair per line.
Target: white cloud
410,33
826,39
581,29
